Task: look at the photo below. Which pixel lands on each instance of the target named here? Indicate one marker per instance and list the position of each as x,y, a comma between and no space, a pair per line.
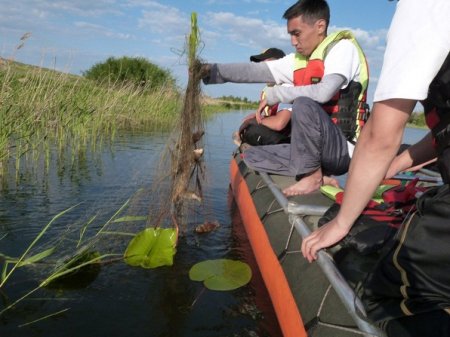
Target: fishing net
182,169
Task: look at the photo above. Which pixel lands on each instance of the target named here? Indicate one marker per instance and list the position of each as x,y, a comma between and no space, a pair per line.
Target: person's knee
304,109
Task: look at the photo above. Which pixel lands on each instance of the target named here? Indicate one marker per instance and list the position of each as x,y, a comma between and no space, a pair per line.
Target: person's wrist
342,223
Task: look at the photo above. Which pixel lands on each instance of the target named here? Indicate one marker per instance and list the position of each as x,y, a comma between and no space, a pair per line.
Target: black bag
413,276
372,229
253,133
378,222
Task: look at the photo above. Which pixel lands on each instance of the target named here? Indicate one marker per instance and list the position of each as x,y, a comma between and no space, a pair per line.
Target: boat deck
306,302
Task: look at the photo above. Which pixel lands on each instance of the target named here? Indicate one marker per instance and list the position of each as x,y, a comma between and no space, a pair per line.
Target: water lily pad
151,248
221,274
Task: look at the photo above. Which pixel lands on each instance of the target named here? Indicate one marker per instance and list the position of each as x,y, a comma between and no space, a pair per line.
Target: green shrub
131,71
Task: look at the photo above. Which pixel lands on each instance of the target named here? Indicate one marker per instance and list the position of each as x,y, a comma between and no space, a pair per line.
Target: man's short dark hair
311,10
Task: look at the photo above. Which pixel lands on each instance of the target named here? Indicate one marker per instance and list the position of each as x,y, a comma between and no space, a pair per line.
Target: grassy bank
211,105
39,106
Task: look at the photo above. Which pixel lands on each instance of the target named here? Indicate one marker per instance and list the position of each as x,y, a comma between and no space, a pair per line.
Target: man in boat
272,126
408,293
329,76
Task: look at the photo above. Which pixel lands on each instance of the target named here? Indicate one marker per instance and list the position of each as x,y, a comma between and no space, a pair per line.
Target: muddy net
181,172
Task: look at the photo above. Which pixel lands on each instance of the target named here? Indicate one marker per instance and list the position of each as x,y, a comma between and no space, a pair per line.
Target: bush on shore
137,72
417,119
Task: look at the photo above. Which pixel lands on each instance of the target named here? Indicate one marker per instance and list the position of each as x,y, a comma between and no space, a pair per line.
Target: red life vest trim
311,74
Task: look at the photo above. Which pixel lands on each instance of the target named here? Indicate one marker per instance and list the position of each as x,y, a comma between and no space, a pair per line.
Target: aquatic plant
221,274
24,260
152,248
69,264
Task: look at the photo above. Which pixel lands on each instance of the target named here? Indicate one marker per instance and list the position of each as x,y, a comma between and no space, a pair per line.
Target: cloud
256,32
219,2
98,29
83,8
259,34
47,18
19,13
245,31
146,4
45,9
155,18
368,39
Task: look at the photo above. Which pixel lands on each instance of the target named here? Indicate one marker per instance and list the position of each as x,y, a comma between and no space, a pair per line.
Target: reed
39,106
69,262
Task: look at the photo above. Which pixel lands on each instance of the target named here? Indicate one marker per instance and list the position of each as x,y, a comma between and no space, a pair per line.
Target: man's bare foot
327,180
307,184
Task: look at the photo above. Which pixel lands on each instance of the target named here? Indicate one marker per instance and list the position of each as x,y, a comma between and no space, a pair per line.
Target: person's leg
317,145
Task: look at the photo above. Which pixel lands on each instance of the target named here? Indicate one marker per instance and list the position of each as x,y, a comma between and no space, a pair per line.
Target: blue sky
72,35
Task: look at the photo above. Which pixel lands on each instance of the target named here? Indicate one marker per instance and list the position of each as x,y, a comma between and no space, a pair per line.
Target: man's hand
205,70
325,236
260,111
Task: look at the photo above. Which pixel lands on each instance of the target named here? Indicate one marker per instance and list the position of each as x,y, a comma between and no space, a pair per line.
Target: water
412,135
121,300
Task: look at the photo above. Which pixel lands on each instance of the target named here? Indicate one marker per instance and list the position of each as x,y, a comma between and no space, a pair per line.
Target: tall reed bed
38,106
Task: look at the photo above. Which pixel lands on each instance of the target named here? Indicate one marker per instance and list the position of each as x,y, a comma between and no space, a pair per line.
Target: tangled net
182,158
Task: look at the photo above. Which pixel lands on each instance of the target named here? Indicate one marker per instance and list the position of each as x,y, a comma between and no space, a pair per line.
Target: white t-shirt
417,44
283,69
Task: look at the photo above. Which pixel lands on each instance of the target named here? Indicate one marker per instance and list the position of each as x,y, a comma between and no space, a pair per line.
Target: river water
121,300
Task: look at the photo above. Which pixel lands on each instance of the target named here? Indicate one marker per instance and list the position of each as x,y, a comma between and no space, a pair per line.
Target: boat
310,299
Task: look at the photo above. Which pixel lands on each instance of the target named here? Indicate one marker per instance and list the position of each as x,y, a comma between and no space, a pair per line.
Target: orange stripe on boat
280,293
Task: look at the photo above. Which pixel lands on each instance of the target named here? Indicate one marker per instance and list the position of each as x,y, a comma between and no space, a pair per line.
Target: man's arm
277,122
238,73
374,152
321,92
414,157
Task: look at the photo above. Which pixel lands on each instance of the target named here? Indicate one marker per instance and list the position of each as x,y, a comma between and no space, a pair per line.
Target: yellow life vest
348,107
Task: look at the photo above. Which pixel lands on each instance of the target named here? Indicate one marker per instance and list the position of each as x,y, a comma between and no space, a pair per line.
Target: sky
73,35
